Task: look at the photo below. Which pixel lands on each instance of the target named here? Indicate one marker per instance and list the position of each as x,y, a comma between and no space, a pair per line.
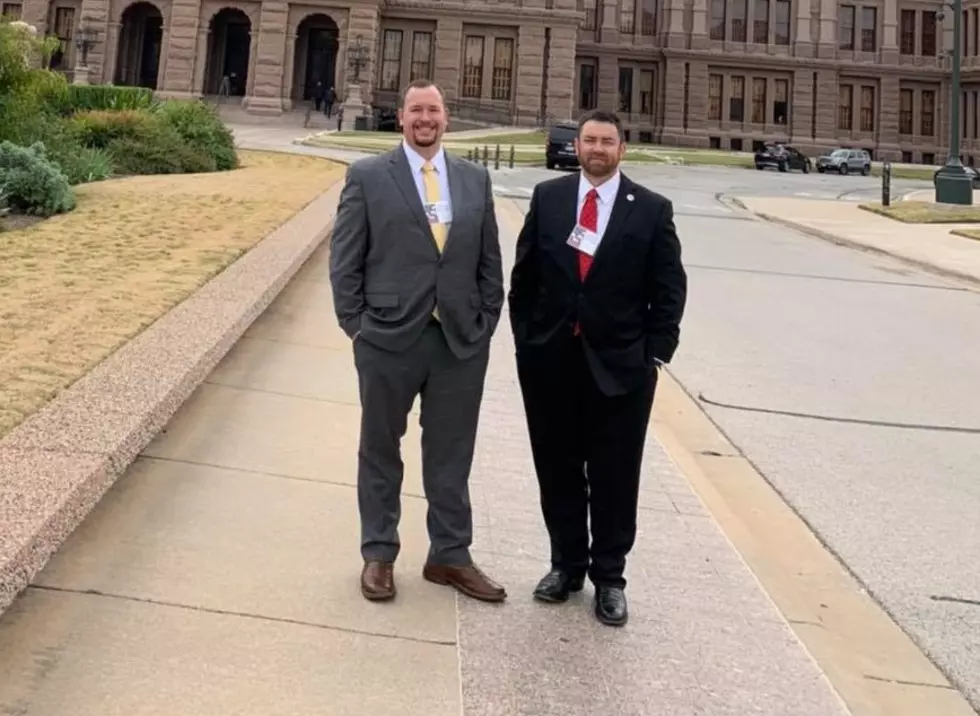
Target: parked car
970,171
560,150
844,161
783,157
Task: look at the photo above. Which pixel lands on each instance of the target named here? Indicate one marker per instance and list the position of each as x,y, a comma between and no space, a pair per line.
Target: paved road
694,188
782,322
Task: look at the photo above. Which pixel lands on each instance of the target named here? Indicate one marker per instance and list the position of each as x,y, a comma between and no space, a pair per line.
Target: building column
699,29
674,20
607,83
201,60
889,106
827,47
35,12
447,53
111,53
828,97
530,74
673,101
608,30
697,108
95,13
266,95
889,44
179,46
290,65
801,109
802,42
559,99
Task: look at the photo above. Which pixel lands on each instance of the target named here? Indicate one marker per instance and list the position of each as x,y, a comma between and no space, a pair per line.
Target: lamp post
85,41
953,184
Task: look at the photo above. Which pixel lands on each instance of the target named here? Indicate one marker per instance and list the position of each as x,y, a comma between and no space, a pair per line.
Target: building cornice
489,14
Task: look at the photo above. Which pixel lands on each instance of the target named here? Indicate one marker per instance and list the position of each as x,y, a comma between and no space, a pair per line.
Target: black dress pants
588,450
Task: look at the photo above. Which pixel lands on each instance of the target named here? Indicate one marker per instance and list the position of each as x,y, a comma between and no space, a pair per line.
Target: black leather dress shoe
610,606
557,585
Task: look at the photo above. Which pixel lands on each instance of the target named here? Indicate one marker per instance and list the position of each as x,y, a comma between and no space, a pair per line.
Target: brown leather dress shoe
378,580
469,580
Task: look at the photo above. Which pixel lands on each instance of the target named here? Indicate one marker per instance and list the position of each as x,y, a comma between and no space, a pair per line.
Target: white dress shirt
607,197
416,161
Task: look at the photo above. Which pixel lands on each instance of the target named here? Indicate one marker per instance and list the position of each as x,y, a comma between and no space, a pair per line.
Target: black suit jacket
632,300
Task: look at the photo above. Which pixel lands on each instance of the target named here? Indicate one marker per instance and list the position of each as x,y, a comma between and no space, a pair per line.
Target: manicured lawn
922,212
534,139
75,287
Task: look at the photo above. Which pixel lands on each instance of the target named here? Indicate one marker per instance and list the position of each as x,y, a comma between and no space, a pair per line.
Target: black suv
783,157
560,150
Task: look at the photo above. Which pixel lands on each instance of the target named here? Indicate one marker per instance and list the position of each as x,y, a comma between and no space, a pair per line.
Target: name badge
583,240
438,212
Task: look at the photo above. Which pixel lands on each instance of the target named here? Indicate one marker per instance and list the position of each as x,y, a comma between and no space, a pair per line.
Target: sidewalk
219,575
929,246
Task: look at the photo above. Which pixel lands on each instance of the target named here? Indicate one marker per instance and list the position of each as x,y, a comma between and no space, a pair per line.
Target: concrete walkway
220,574
930,246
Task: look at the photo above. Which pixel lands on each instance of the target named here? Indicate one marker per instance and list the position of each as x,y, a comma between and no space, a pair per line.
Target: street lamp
85,41
953,185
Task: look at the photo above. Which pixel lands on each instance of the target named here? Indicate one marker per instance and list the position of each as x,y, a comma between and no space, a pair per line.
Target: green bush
32,183
159,152
199,125
79,164
100,128
139,142
24,118
85,98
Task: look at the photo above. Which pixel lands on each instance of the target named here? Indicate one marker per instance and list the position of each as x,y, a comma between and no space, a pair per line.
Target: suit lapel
565,220
401,171
456,189
621,208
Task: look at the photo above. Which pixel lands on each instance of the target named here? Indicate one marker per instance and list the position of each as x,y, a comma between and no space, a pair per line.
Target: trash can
360,124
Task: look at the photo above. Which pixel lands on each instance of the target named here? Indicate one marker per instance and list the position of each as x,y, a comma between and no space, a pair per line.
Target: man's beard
600,166
427,142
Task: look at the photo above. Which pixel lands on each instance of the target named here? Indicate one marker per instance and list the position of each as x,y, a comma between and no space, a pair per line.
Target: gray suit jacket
386,271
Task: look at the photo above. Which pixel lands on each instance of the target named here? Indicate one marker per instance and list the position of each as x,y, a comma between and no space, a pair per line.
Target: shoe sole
462,590
377,597
610,622
541,597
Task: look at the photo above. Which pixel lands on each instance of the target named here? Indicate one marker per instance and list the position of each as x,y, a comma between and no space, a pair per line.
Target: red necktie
588,219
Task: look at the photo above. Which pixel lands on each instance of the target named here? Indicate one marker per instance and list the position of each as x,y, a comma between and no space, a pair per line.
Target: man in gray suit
418,286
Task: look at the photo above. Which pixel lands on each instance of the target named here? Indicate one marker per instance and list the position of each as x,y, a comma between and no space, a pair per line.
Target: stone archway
315,58
229,50
140,46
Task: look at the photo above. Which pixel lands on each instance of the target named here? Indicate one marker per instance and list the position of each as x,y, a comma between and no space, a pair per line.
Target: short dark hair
420,84
601,115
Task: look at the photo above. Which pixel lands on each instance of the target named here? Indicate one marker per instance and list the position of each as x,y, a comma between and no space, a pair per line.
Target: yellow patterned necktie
432,196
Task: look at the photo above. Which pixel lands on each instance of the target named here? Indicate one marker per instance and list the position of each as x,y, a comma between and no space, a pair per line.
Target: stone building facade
709,73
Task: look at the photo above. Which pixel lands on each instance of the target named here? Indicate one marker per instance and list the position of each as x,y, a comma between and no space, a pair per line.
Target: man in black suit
596,299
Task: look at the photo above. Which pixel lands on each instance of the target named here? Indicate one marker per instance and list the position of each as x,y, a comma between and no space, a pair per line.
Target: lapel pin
629,197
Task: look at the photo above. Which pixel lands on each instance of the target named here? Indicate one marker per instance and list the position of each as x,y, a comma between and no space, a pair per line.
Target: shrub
79,164
85,98
32,183
100,128
161,152
201,128
24,118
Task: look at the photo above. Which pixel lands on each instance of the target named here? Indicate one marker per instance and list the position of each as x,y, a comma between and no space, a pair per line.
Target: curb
57,464
851,244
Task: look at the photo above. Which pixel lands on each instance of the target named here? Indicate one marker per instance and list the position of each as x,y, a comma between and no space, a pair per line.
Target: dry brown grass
924,212
76,287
